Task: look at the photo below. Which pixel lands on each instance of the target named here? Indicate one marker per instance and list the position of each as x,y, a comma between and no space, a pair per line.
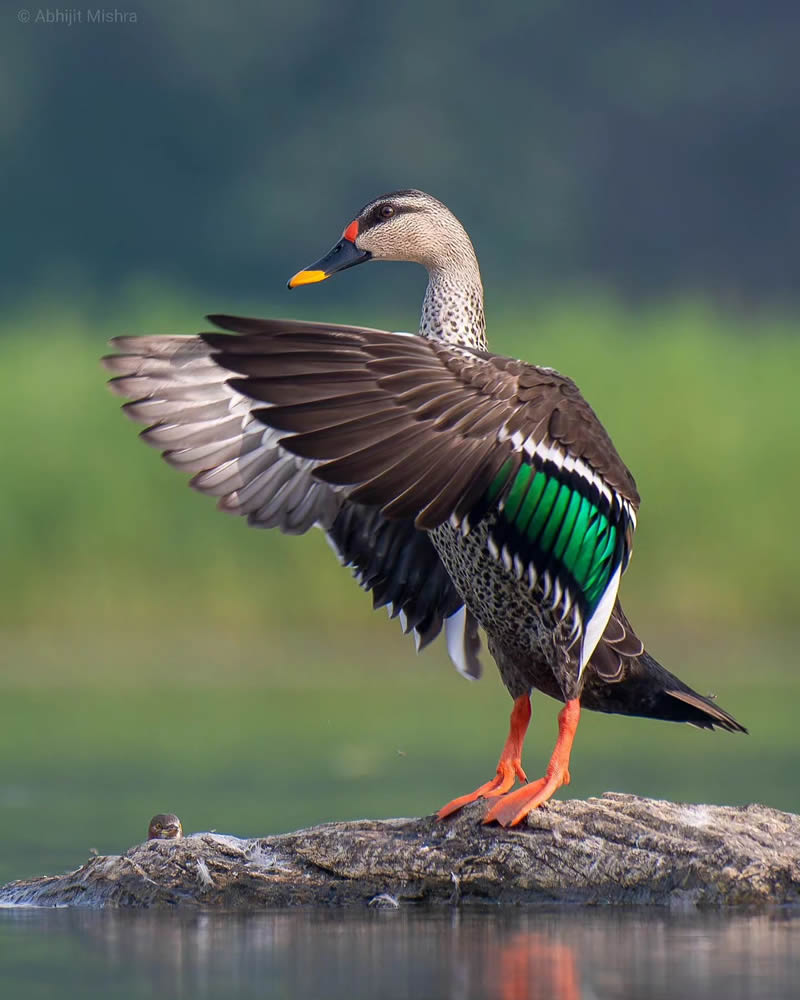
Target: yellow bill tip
307,278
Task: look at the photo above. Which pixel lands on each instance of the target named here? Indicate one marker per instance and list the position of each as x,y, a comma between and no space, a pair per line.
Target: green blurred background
629,177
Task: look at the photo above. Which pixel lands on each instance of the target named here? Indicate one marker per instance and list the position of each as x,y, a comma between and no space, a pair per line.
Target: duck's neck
452,309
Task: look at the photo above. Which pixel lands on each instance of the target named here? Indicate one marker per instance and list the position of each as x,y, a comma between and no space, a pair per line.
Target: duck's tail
625,679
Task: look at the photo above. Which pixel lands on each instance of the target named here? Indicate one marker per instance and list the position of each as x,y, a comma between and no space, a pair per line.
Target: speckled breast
529,646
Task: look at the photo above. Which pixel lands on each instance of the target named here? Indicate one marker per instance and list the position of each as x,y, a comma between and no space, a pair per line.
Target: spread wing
206,427
438,433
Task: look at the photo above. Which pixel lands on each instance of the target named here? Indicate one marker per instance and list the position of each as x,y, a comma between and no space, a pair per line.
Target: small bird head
165,826
404,225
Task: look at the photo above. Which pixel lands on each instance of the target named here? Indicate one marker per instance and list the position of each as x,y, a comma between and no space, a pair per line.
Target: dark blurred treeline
654,147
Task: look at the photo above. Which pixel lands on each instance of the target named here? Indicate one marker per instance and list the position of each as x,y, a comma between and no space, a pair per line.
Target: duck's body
464,488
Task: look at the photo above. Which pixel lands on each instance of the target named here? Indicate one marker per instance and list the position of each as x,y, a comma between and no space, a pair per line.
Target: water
563,954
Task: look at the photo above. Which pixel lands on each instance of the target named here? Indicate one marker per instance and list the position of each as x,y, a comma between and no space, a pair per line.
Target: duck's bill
345,254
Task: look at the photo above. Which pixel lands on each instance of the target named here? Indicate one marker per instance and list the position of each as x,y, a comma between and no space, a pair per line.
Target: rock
618,849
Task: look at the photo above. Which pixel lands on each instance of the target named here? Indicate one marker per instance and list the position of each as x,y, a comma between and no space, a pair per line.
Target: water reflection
531,961
559,955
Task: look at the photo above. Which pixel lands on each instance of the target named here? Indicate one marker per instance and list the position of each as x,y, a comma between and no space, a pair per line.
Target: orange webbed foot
507,771
509,766
513,807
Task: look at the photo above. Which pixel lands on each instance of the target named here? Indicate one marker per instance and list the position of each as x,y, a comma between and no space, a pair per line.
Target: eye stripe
372,216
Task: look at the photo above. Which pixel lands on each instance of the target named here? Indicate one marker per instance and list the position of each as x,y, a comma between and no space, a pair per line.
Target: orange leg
515,806
509,766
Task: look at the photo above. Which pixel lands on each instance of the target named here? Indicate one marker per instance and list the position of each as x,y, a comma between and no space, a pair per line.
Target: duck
466,490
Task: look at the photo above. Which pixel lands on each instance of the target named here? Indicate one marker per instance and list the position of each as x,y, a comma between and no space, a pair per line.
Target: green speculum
554,520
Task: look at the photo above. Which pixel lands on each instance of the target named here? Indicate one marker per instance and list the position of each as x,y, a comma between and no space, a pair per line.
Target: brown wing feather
253,325
437,400
181,389
618,643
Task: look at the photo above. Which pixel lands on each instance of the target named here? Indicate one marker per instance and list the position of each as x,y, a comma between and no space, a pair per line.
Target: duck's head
403,225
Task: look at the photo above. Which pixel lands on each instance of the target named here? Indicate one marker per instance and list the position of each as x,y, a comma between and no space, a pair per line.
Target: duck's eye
387,211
